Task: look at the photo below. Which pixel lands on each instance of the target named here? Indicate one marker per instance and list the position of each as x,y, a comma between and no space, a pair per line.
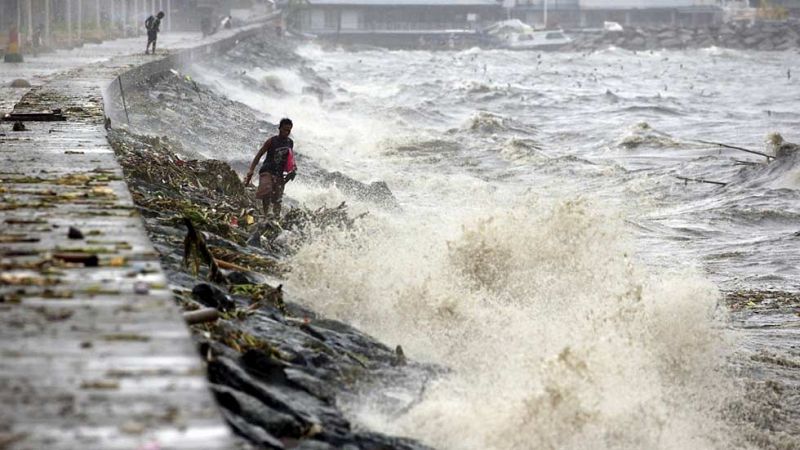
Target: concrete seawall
183,57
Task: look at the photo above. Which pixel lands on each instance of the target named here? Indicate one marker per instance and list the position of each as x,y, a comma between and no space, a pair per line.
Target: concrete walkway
38,70
93,351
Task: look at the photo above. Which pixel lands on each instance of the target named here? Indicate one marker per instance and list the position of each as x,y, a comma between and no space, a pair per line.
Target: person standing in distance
153,25
278,168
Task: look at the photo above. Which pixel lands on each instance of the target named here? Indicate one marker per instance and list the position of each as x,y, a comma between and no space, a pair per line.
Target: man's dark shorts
152,36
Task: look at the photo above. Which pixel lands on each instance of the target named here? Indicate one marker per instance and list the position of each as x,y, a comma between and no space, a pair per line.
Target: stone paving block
93,351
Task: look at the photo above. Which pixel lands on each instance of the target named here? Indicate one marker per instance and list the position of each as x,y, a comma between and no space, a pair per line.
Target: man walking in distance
278,168
153,25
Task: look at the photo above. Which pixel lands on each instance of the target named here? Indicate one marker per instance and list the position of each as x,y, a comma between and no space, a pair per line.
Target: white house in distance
592,13
649,12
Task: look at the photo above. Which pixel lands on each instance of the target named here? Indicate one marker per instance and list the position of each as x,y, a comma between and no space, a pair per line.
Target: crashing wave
486,122
642,134
521,150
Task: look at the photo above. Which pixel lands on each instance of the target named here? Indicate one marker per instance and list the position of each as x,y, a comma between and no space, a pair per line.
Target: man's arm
253,165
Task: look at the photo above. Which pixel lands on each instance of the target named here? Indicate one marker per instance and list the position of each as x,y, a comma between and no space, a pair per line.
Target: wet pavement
94,351
38,70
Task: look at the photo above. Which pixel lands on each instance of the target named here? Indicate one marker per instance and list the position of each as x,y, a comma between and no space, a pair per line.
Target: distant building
649,12
792,6
557,13
592,13
338,17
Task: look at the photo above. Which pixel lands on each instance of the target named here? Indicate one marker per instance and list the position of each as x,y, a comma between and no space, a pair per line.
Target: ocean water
545,250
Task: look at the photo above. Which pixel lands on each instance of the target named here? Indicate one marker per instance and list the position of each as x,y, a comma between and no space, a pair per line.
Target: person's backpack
148,24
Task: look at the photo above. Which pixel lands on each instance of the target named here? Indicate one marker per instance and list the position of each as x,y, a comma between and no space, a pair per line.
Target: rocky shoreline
762,35
278,370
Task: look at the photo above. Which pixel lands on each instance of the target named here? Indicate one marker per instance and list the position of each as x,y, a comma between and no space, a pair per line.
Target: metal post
30,19
125,20
69,22
47,22
169,15
122,93
97,13
545,14
112,12
19,17
80,20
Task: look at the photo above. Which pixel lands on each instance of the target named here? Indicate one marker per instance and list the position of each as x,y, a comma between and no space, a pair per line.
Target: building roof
403,3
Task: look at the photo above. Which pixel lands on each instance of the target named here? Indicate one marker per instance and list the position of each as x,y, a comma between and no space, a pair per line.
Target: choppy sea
564,240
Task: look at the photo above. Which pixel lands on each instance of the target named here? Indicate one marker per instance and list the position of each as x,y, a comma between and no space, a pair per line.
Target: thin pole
80,20
30,20
69,22
545,14
112,13
733,147
169,15
47,22
125,20
700,180
97,12
124,105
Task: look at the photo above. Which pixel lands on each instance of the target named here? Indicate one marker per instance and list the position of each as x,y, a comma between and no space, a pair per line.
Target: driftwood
230,266
700,180
201,316
733,147
194,247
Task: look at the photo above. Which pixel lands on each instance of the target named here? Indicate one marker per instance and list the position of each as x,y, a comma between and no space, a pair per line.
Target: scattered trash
87,259
74,233
100,385
141,288
201,316
54,115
